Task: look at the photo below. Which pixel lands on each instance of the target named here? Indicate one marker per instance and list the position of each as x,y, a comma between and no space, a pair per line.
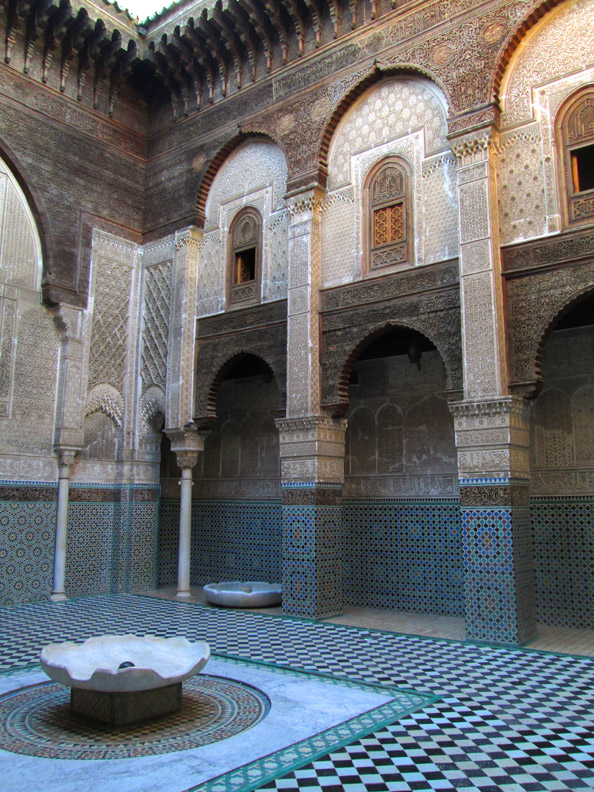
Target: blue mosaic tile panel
498,576
404,555
27,531
89,548
312,531
563,538
142,569
312,553
312,588
168,542
231,540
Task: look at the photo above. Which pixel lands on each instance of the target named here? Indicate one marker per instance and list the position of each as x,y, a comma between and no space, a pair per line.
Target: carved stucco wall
28,344
400,436
255,174
553,62
111,360
157,261
398,116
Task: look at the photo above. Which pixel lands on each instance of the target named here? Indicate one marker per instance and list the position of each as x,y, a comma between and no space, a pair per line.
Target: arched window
575,139
245,252
388,216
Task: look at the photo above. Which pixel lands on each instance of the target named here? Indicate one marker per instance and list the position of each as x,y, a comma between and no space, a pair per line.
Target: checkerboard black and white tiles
507,720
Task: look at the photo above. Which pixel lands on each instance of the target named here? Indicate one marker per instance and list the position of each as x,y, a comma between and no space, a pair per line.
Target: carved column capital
476,145
66,459
186,443
303,204
312,449
188,238
492,438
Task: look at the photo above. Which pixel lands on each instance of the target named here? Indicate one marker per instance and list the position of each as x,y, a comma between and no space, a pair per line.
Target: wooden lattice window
575,138
388,216
245,235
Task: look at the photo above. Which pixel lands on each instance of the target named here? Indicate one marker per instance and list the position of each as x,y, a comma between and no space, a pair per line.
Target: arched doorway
562,462
236,514
400,499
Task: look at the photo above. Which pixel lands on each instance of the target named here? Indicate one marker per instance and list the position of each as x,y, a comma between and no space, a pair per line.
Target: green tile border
265,769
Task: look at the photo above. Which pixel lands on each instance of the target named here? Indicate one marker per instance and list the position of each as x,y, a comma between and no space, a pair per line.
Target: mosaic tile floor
507,720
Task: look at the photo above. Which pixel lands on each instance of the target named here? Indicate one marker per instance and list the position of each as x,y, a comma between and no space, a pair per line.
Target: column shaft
58,590
185,532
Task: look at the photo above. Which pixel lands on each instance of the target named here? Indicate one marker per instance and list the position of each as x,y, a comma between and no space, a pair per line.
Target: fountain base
124,707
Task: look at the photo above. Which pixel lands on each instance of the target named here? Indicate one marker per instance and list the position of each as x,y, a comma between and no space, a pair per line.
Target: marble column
68,426
492,435
186,443
65,463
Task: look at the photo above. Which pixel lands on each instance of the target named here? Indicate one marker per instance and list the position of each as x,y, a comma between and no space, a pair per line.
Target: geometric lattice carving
553,436
582,413
156,324
106,399
110,324
152,404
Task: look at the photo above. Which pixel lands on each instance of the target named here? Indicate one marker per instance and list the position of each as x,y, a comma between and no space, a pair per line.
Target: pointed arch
377,73
34,204
513,41
223,370
550,326
355,354
217,161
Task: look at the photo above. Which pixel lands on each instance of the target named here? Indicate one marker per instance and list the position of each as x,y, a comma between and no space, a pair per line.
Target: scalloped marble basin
251,594
96,663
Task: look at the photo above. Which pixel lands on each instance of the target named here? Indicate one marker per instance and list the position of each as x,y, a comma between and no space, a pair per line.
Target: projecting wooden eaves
197,51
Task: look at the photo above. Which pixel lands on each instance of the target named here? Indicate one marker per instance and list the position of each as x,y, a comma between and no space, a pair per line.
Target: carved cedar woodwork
575,141
544,280
259,330
426,300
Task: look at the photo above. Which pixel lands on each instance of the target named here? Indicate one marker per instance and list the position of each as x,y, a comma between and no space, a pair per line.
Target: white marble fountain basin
251,594
94,664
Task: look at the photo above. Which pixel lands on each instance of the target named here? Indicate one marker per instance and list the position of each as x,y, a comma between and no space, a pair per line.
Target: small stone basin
251,594
123,679
96,664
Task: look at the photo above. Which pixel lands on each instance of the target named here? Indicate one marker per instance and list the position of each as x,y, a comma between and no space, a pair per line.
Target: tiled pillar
312,458
186,443
311,445
492,434
493,467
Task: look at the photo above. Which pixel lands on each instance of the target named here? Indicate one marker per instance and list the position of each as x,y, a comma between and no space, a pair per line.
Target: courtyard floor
352,707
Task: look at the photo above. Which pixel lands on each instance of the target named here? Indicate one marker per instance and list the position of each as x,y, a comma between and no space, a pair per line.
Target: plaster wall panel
563,42
402,117
28,337
556,59
255,174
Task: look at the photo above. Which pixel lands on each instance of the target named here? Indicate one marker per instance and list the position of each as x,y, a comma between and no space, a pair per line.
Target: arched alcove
400,497
562,460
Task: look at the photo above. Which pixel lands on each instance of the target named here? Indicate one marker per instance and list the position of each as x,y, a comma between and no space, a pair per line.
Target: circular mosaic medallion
37,721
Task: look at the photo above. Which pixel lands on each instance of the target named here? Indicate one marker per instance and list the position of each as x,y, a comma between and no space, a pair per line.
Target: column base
58,597
183,595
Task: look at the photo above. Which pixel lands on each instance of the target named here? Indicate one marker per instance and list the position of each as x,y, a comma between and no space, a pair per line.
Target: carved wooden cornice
199,53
